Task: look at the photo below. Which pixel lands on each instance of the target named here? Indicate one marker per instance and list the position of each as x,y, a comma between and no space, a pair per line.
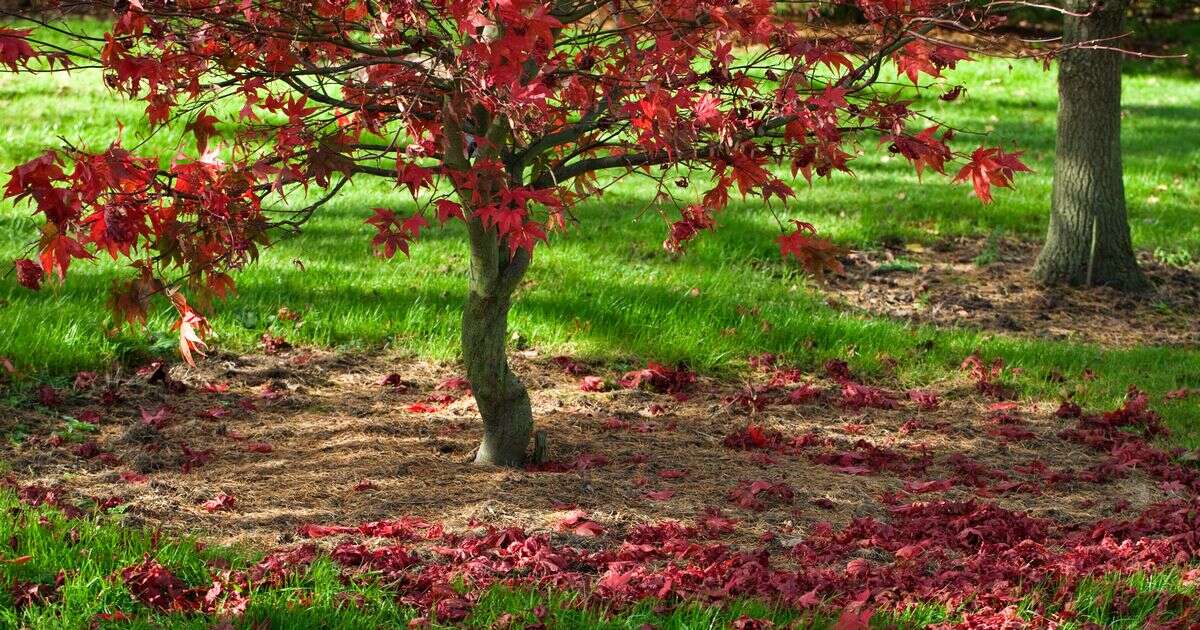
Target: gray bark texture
1088,241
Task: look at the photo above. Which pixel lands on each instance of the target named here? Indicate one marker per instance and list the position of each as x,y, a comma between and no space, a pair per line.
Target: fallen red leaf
593,384
321,531
193,459
133,477
921,487
157,418
395,381
220,502
578,523
570,366
456,383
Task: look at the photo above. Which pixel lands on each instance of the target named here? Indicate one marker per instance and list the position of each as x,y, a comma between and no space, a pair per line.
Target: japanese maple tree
502,114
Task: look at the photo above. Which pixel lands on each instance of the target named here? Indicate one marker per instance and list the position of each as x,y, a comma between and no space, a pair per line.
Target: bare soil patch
987,285
308,437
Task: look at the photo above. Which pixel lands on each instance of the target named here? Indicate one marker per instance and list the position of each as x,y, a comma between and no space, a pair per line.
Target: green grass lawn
607,289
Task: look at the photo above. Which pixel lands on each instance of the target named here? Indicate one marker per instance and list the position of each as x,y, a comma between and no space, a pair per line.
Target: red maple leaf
157,587
816,255
193,459
15,50
157,418
29,274
921,487
991,167
203,126
413,176
578,523
448,210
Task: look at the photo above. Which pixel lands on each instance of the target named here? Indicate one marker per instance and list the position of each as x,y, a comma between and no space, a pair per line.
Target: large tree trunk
502,400
1088,241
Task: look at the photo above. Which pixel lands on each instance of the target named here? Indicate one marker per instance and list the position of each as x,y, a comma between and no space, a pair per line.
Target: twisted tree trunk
502,400
1088,242
494,274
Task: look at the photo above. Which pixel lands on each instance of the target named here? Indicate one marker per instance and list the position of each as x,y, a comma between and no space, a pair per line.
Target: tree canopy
501,111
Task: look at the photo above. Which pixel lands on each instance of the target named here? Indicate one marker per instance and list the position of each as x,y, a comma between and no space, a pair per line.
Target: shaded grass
606,290
92,550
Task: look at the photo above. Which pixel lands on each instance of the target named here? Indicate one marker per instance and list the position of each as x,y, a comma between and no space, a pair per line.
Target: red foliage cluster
157,418
855,395
868,459
987,377
593,384
192,458
25,593
577,522
509,112
752,437
858,396
754,495
946,551
388,561
657,377
407,528
277,567
584,461
155,586
783,386
35,495
394,381
570,366
925,400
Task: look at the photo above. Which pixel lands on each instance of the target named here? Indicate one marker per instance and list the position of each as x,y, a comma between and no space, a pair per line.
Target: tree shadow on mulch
311,437
987,284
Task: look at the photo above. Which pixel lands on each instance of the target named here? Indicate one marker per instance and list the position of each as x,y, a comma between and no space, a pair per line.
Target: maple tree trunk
494,274
501,397
1088,241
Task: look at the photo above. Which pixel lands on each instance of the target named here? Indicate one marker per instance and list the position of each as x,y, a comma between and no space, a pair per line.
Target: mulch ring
841,484
987,284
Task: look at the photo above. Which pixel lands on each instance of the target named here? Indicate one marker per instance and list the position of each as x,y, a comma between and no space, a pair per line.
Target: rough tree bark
1088,239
